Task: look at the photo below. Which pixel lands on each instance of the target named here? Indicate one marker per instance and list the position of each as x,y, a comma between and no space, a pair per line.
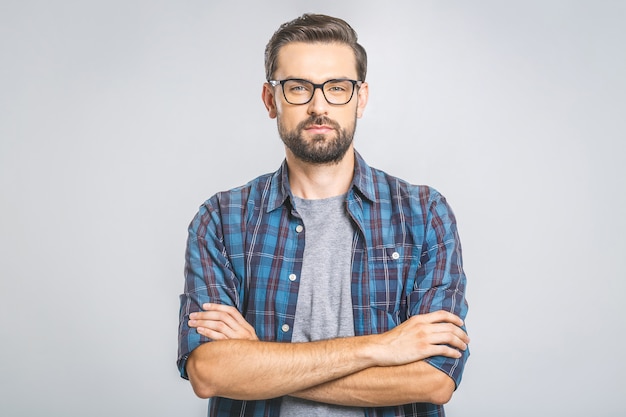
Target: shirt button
299,228
292,277
285,328
395,256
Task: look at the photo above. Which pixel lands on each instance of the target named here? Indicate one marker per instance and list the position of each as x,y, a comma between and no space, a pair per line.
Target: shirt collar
363,179
280,191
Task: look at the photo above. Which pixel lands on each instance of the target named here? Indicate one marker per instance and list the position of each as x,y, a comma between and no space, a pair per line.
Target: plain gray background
119,118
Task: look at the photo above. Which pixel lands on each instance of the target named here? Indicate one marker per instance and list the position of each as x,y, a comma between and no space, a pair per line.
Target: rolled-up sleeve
208,277
440,284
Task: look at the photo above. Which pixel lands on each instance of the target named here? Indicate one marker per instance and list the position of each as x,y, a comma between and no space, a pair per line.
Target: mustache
318,120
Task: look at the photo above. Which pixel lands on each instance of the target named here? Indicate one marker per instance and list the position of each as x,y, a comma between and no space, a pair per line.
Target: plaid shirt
244,243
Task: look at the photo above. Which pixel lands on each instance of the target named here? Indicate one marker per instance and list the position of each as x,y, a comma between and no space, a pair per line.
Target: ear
362,96
269,100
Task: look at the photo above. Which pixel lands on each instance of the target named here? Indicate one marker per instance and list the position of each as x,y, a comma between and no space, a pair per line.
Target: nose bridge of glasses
321,88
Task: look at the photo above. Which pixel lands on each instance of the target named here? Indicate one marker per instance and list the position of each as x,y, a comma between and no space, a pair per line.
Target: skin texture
348,371
358,371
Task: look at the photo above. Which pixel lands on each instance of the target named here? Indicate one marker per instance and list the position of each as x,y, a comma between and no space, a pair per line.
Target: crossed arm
363,371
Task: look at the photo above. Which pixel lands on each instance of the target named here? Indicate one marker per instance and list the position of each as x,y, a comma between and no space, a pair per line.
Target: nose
318,104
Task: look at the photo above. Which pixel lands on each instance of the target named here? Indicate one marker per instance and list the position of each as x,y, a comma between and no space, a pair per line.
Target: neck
317,181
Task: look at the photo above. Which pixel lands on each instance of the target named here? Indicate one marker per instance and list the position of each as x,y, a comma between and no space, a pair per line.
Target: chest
384,257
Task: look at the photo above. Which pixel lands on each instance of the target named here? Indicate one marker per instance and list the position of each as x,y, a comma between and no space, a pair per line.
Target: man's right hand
221,322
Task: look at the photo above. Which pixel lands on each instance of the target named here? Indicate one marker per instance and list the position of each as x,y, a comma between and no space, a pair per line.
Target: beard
320,149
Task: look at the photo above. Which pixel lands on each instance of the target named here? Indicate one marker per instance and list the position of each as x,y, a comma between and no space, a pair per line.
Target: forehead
316,61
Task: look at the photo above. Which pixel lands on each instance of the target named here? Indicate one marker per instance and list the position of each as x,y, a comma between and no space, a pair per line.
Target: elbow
442,391
202,393
441,396
200,380
201,390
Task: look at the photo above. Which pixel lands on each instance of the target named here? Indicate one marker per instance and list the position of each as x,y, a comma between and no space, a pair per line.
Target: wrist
368,350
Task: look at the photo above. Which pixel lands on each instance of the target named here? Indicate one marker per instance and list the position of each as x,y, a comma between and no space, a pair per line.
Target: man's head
311,53
314,28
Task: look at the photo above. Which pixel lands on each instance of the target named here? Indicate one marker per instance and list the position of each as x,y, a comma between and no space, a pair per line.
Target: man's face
316,132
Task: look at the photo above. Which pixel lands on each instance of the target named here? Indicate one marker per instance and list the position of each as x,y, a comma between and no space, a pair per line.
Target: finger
442,316
216,327
453,339
447,351
220,307
453,342
231,327
211,315
226,312
235,319
211,334
452,329
217,312
445,344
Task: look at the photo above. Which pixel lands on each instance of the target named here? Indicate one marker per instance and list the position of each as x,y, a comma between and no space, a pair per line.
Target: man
328,287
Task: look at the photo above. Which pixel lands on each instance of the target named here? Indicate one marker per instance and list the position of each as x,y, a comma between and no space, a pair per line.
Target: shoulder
231,206
235,197
385,189
396,191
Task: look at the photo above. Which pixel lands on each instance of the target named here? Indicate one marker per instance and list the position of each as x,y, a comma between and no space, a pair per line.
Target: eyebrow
308,79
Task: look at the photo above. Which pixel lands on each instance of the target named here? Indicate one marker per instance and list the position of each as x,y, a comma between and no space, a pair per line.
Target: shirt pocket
391,270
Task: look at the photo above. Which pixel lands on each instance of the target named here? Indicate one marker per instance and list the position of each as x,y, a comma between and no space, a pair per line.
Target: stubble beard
319,149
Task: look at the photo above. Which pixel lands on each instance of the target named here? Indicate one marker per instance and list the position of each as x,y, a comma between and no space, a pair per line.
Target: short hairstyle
312,28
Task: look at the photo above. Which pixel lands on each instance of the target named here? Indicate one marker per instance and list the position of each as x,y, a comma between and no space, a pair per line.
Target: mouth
318,129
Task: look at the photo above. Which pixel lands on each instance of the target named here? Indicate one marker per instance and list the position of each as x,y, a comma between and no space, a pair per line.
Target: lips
318,125
318,128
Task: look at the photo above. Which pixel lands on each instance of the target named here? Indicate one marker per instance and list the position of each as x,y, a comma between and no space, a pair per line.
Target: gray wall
118,118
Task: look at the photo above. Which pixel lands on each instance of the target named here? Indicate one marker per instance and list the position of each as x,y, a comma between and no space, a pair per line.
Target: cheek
284,123
348,120
289,118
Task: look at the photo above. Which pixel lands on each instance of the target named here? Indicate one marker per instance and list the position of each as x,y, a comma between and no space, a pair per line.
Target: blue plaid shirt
244,243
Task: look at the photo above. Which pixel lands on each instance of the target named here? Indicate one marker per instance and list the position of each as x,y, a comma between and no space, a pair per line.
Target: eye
297,86
339,86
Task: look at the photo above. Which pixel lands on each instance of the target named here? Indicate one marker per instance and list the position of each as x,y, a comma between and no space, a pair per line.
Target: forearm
385,386
252,370
236,365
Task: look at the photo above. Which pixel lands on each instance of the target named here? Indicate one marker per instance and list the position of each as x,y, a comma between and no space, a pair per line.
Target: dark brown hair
311,28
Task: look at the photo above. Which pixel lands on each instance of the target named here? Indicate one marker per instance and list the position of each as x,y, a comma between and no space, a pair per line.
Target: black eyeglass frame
355,83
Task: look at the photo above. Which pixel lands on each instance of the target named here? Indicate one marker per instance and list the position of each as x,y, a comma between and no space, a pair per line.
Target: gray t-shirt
324,309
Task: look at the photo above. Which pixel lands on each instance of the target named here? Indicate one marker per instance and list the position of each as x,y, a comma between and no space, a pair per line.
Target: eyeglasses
297,91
